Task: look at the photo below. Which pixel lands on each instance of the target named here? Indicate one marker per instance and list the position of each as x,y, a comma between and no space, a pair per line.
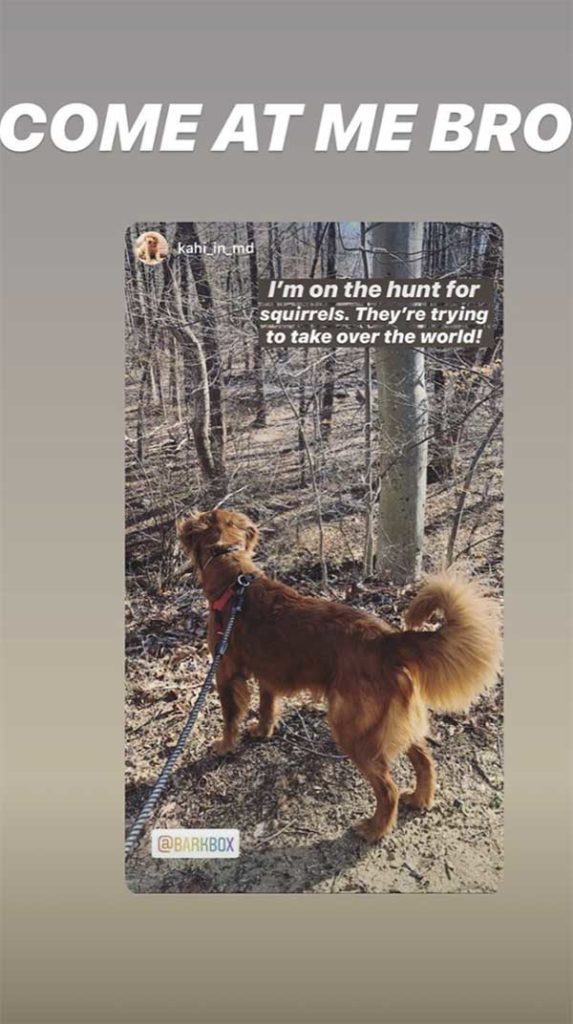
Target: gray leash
150,804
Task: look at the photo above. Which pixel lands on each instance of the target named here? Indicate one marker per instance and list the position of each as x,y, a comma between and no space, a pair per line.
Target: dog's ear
187,530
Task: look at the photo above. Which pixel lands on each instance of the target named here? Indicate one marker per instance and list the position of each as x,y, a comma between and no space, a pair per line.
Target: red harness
218,606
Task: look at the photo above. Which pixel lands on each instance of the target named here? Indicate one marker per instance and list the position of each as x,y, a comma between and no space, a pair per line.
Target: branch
466,486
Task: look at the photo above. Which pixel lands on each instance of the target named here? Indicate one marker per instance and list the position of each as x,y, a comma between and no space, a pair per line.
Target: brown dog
151,247
377,681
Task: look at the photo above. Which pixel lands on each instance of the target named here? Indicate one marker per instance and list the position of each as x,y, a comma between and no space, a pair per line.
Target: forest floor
295,797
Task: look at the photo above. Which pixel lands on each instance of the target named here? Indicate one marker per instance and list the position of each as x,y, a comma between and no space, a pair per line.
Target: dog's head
204,534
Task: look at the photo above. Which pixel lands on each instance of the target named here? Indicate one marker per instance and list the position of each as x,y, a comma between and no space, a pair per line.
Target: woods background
362,468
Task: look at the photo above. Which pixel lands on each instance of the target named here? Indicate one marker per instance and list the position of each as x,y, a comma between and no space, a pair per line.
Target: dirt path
295,797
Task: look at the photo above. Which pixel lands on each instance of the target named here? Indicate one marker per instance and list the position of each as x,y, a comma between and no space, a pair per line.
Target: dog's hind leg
234,697
269,713
363,744
423,794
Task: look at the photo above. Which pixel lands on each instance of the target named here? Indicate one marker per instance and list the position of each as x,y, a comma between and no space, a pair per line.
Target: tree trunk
319,233
174,386
368,557
278,252
197,392
440,453
403,418
258,354
210,343
141,319
330,367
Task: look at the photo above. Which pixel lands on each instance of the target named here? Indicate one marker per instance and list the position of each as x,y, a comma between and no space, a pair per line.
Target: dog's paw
258,732
223,746
369,830
412,799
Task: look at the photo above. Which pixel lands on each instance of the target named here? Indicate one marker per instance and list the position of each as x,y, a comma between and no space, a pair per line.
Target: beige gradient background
81,948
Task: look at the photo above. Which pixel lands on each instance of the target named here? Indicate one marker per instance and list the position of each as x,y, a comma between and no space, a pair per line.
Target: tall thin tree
258,354
403,417
327,404
210,339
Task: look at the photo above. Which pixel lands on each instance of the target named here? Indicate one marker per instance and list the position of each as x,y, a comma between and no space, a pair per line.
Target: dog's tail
456,662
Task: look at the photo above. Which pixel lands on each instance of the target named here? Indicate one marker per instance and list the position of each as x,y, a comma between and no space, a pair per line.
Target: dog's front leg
269,713
234,697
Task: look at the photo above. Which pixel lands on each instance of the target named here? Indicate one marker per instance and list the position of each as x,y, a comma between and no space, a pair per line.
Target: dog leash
242,583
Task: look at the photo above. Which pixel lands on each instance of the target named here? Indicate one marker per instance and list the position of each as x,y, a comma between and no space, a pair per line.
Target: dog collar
238,587
223,600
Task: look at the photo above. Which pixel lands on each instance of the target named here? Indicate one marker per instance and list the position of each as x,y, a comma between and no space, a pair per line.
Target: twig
466,486
318,753
413,872
267,839
231,494
482,540
484,774
499,750
150,721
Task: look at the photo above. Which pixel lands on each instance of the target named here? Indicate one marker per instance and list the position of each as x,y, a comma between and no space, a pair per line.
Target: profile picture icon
151,248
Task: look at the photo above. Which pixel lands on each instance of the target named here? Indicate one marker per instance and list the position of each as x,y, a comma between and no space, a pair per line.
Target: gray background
81,947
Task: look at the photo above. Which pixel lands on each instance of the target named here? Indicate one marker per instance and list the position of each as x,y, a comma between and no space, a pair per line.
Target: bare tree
197,392
466,487
403,418
190,234
319,235
258,358
368,558
330,368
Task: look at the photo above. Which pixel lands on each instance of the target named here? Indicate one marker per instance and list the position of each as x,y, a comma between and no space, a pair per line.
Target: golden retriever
377,680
